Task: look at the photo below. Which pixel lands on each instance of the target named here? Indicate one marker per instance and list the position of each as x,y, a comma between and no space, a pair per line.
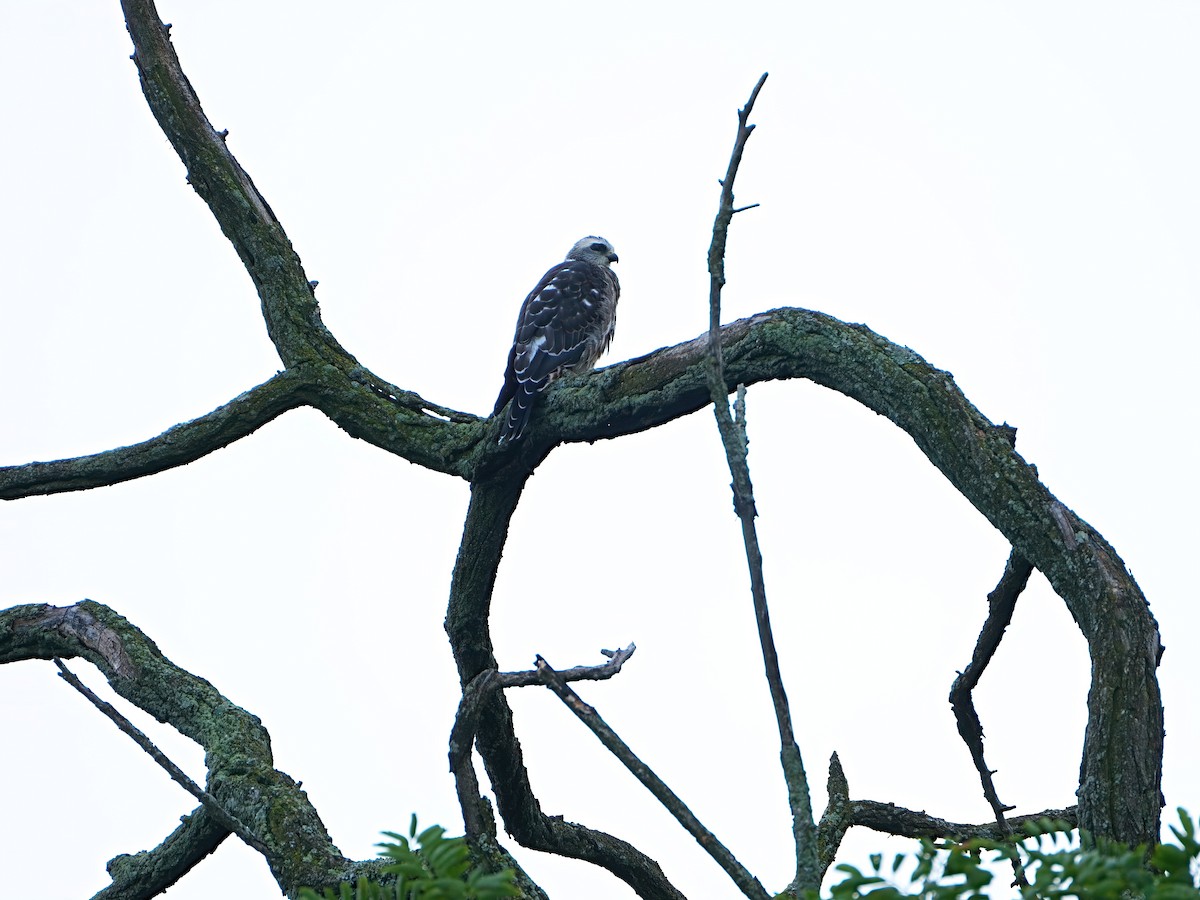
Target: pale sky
1009,190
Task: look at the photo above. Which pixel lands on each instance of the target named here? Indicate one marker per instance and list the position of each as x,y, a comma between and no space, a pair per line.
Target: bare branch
836,820
493,500
241,773
289,303
1001,603
735,441
466,720
177,446
842,813
476,821
147,874
747,883
1125,718
177,774
617,659
891,819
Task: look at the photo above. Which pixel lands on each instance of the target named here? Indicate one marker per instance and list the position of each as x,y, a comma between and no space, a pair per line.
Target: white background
1012,191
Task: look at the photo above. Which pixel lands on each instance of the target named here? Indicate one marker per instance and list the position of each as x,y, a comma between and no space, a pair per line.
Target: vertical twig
733,436
1001,603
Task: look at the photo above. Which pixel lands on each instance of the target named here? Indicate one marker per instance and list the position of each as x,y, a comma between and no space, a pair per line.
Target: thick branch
492,503
177,446
241,776
1122,761
289,303
147,874
363,404
177,774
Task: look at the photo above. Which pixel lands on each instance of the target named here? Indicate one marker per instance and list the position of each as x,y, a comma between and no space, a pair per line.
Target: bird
565,325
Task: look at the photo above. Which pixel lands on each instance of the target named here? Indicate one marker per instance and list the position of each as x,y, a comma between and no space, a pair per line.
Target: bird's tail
519,411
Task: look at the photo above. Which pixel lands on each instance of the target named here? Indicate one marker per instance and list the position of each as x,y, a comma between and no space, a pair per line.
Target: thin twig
177,774
617,658
747,883
733,436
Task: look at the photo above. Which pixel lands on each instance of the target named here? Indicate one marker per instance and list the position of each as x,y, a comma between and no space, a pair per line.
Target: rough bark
1119,790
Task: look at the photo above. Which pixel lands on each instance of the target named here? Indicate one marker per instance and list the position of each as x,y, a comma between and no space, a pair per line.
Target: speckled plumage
565,325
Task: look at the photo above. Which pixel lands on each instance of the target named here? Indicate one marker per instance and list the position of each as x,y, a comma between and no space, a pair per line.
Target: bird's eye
599,247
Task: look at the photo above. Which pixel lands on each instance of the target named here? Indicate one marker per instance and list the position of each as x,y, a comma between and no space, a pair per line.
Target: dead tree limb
1001,603
177,446
736,444
738,874
1121,772
493,501
207,800
241,774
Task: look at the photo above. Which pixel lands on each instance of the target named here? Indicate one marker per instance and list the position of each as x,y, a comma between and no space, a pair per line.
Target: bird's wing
565,322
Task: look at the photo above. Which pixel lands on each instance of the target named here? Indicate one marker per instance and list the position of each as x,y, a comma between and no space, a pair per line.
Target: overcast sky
1011,190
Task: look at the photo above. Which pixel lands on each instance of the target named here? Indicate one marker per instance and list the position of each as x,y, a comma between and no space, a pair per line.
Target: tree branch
1001,603
241,776
214,809
836,820
289,303
735,442
177,446
1125,720
493,501
466,722
147,874
891,819
747,883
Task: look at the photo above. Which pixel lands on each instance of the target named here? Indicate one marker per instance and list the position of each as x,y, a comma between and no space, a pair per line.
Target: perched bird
565,324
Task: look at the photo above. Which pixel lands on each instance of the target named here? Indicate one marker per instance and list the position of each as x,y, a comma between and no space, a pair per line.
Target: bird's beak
612,258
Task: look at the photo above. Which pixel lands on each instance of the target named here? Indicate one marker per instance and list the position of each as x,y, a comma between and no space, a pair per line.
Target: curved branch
1120,785
177,446
360,402
147,874
289,303
492,504
1001,603
1125,724
241,776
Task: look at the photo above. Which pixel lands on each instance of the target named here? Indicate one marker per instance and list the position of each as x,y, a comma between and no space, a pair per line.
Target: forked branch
241,774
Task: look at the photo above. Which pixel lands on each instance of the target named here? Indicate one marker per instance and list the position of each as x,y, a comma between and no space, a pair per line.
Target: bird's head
594,250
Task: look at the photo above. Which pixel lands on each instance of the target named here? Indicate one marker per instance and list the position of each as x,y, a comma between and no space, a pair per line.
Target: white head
594,250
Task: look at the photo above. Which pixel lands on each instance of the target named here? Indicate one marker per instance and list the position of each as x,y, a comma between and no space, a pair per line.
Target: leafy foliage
1101,870
427,866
